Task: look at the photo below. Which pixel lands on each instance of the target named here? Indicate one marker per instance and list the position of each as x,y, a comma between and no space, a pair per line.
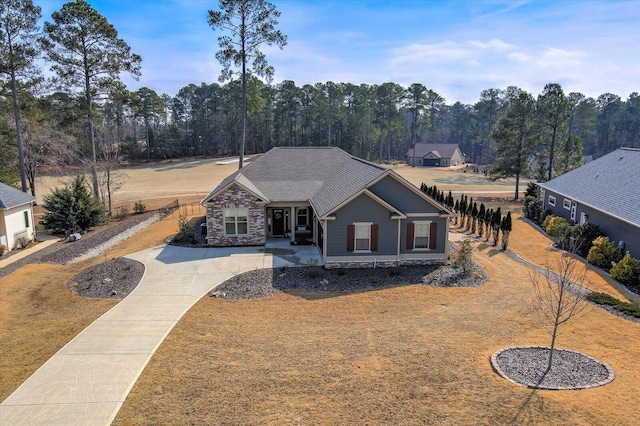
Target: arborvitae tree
450,200
469,211
456,209
72,208
488,217
463,210
505,227
423,187
481,214
441,198
474,215
495,225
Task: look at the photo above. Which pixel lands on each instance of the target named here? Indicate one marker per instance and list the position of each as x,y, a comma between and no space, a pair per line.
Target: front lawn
403,355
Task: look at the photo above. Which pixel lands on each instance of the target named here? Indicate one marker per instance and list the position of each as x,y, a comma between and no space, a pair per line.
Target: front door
278,222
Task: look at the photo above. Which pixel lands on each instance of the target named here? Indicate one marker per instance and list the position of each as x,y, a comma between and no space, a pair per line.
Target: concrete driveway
86,382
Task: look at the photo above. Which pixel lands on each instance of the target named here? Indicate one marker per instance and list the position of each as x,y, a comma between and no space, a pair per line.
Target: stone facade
382,264
235,197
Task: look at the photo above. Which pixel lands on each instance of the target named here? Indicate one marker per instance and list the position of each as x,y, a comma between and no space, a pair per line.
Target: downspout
399,231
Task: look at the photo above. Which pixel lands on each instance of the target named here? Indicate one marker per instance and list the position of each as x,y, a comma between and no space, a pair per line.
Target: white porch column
292,222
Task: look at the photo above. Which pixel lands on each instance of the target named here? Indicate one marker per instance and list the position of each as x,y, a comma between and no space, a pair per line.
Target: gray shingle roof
610,184
352,177
325,176
442,150
11,197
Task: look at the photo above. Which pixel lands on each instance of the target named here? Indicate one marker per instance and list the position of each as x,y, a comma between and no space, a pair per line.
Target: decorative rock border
495,364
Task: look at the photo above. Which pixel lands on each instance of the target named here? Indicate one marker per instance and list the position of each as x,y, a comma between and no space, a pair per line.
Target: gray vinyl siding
615,229
442,230
401,197
362,209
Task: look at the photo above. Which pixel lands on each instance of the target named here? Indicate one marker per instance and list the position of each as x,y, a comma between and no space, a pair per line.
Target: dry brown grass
196,177
404,355
181,178
38,316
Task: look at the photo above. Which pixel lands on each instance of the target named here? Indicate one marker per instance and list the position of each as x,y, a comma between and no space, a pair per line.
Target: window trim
366,225
427,223
566,203
235,220
305,215
551,200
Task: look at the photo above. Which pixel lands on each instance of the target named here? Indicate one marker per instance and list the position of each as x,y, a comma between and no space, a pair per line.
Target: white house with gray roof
358,213
16,217
605,192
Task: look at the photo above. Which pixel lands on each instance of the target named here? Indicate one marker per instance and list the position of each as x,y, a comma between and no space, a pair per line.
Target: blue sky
457,48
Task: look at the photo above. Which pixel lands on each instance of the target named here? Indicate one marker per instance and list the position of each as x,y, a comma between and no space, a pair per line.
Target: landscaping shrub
464,260
185,231
139,207
607,300
531,206
627,271
555,226
543,216
3,249
72,208
584,236
603,253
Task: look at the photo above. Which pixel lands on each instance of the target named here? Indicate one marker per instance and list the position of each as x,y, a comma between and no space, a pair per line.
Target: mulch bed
267,282
64,252
113,279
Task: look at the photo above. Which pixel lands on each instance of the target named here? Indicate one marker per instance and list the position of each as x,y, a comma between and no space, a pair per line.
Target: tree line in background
87,117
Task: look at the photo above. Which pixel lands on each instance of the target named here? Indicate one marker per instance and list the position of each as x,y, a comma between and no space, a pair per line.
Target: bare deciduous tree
558,297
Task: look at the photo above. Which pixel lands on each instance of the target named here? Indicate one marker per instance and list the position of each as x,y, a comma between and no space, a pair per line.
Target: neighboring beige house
435,155
16,217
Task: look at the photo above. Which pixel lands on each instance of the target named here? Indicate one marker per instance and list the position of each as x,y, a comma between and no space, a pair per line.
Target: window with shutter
421,235
362,237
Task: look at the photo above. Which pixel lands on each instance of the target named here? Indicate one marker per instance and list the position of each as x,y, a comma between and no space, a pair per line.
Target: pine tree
72,208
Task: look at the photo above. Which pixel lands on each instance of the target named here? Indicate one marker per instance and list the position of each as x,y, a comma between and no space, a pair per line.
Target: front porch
295,223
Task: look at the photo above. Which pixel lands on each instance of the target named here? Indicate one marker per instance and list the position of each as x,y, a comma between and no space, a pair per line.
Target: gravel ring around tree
571,370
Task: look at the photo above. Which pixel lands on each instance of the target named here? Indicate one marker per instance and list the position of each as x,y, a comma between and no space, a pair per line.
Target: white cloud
431,53
560,58
518,57
495,44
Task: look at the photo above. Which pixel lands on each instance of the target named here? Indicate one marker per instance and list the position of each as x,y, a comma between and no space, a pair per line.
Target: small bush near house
603,253
585,235
607,300
627,271
543,216
185,231
3,249
464,260
139,207
555,226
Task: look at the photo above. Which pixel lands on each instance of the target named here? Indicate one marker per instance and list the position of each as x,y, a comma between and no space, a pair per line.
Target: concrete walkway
87,381
45,241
